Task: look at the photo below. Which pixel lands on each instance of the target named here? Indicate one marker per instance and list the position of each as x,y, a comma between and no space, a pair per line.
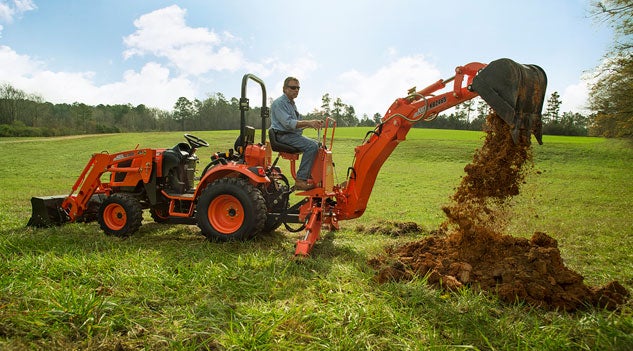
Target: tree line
22,114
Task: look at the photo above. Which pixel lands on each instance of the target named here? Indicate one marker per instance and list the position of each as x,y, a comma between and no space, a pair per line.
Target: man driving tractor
287,124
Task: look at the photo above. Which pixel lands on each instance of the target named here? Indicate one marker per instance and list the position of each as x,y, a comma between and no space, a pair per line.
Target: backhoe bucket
516,93
47,211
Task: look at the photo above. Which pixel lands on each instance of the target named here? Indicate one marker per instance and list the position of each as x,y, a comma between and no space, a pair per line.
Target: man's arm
311,123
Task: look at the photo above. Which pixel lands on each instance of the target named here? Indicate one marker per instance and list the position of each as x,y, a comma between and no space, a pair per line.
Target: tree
325,105
610,95
553,108
468,107
377,118
349,116
82,113
482,109
10,102
337,112
365,121
183,110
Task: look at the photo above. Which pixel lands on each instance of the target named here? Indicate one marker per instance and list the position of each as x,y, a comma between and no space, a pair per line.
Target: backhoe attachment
516,93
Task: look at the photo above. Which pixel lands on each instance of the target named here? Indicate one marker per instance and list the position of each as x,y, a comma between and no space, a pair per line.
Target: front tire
120,215
231,209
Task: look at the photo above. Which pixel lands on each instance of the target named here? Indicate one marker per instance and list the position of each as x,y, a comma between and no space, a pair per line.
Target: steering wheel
195,142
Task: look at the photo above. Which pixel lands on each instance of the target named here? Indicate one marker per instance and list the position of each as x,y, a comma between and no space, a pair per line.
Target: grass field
166,287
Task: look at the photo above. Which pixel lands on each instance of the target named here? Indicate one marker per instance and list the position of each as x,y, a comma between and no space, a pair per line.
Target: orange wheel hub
114,216
226,214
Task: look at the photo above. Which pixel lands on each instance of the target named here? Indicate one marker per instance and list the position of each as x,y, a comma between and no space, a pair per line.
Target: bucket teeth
516,92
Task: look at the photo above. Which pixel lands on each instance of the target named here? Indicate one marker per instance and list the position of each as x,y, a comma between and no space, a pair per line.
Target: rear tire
120,215
231,209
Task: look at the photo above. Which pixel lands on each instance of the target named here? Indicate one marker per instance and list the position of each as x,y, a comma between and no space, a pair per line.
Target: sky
366,52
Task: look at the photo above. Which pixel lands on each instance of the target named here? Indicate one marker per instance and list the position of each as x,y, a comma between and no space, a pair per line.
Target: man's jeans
309,148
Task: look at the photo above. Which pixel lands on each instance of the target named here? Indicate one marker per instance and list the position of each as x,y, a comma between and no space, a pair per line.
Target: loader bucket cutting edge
516,92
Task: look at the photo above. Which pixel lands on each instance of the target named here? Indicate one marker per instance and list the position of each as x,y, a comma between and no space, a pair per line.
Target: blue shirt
284,115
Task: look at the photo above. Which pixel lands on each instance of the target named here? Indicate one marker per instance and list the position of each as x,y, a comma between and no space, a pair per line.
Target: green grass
166,287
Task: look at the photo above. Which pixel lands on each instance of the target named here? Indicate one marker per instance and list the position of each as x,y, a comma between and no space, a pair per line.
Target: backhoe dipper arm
400,117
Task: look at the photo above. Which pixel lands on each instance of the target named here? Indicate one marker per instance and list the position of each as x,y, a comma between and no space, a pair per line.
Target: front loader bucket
47,211
516,93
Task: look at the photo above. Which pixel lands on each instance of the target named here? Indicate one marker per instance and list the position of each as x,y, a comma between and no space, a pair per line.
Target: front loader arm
138,167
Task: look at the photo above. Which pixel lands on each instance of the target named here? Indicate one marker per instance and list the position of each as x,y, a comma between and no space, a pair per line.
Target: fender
256,175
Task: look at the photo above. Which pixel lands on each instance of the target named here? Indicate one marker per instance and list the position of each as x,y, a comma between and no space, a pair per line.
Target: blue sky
366,52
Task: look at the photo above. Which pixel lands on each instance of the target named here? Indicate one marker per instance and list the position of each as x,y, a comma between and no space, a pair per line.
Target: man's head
291,87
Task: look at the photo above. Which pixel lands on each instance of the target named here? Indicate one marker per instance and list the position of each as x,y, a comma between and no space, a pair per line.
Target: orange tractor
242,192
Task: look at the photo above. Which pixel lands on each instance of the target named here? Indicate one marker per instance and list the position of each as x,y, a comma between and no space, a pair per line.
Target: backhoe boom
394,126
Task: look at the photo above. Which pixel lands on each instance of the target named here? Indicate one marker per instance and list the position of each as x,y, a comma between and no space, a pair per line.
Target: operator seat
279,146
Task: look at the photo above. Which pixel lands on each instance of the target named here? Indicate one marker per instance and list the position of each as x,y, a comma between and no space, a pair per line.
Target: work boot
301,184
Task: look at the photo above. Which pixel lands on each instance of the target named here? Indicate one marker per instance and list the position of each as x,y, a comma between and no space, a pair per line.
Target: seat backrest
278,146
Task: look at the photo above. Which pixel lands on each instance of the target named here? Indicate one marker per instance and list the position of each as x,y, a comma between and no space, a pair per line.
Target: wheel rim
114,216
226,214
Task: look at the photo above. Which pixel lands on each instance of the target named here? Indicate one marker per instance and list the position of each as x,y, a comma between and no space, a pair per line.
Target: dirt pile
473,252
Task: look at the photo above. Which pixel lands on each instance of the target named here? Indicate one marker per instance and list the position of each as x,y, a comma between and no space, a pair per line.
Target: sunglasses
293,87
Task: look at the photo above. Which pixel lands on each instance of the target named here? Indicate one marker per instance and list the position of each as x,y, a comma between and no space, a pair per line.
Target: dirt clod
475,253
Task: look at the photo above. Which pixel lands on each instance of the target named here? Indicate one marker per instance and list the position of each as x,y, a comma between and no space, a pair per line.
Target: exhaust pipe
516,93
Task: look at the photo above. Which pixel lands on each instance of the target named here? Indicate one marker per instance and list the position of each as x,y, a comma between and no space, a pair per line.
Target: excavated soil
470,250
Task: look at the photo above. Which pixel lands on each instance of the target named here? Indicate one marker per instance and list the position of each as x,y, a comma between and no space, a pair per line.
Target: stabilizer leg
313,230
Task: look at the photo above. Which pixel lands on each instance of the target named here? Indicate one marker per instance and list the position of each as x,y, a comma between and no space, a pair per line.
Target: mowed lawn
167,288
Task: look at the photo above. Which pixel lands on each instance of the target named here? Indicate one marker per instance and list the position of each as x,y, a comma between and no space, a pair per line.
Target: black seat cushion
278,146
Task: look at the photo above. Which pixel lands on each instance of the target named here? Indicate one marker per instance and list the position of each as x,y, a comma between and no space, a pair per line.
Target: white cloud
574,98
164,33
14,66
274,71
6,12
24,5
9,11
375,92
152,85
